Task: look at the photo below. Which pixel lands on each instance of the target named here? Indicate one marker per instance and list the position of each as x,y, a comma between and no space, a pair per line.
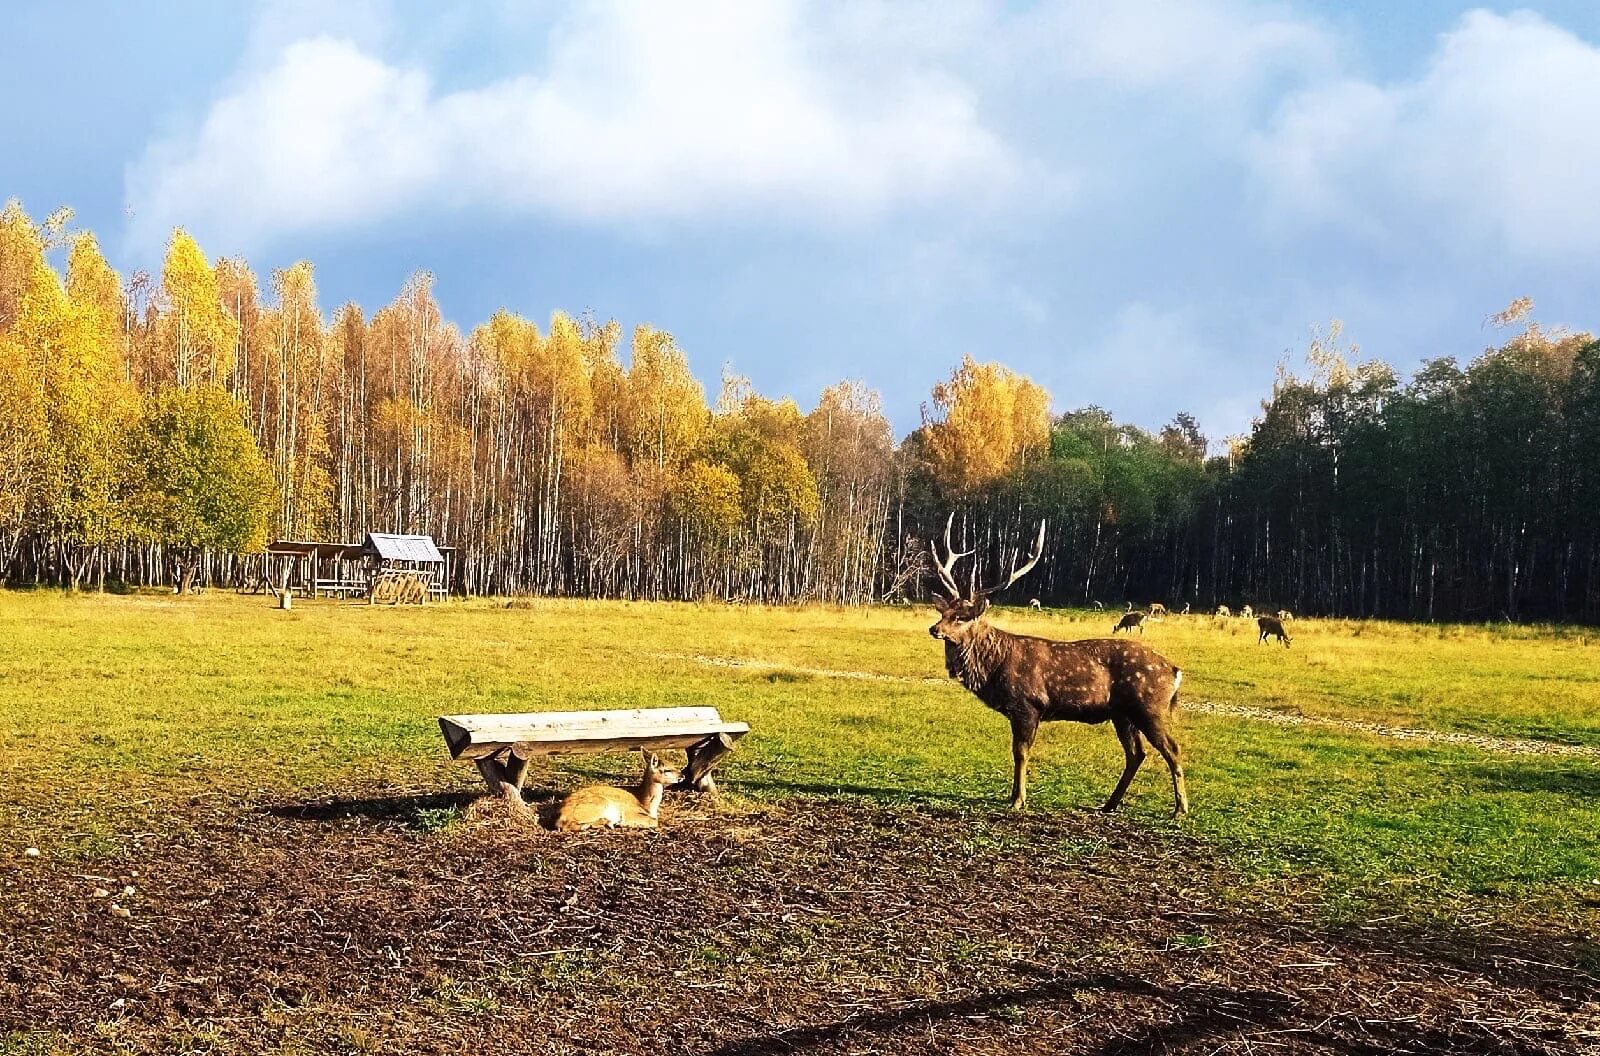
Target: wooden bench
503,745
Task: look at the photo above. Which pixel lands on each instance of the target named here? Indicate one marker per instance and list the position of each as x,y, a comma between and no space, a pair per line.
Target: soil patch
410,924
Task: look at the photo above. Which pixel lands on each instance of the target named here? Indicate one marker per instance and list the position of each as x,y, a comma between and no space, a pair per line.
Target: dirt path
810,927
1484,742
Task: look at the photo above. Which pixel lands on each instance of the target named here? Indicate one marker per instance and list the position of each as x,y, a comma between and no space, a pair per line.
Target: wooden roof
419,548
307,547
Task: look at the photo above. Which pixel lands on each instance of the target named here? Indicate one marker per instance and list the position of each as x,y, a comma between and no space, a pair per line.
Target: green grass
119,710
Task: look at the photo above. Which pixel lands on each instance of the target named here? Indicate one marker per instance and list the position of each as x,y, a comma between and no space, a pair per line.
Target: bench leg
504,774
703,755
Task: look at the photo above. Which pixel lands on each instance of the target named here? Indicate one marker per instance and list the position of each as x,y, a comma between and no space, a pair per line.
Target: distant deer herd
1029,680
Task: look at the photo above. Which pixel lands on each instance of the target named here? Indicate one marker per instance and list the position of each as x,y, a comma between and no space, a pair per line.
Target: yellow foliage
706,497
667,412
196,336
988,420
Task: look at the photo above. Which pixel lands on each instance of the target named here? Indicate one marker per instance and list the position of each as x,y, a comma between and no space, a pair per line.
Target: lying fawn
607,806
1272,627
1031,680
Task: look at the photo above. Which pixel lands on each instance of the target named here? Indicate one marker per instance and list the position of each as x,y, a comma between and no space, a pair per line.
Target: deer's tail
1177,680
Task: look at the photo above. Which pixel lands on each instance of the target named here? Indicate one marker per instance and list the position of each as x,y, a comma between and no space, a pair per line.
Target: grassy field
120,711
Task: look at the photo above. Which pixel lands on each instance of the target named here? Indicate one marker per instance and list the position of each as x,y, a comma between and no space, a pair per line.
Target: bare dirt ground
812,926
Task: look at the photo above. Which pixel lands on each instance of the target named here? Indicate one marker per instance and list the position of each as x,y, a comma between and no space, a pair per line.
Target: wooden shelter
313,569
405,568
384,567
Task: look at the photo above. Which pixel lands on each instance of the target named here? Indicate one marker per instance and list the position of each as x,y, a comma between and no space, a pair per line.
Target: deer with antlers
1031,680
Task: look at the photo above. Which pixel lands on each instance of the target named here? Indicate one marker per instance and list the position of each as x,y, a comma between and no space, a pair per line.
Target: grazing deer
1130,622
1224,611
607,806
1031,680
1099,606
1285,614
1246,611
1157,609
1271,627
1033,603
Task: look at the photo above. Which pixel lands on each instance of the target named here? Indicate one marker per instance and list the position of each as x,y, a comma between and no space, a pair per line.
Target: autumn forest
161,429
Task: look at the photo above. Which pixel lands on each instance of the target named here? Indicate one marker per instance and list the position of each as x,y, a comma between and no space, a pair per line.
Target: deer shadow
1203,1011
834,790
1177,1018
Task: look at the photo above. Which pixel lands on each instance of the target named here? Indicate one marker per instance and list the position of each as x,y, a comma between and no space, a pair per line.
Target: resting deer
607,806
1130,622
1031,680
1185,611
1285,614
1271,627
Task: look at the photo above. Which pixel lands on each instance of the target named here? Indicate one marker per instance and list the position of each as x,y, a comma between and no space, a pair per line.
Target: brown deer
1271,627
1031,680
607,806
1157,609
1130,622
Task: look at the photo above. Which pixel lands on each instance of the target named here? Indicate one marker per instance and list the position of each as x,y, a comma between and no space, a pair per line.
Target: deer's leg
1023,732
1167,745
1133,749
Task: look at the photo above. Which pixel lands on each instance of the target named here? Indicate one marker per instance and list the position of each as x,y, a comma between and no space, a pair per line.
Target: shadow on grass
882,794
1528,776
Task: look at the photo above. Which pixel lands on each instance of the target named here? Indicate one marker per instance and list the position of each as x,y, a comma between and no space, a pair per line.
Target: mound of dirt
817,926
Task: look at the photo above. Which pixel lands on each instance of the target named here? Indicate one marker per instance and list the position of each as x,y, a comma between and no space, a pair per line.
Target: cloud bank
639,112
1493,143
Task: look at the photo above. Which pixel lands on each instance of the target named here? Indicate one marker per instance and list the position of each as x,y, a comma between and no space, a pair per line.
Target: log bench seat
503,745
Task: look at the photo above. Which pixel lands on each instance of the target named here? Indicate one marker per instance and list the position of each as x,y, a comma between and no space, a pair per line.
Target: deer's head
960,612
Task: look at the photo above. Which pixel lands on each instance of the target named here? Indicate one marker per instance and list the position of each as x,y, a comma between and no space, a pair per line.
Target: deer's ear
980,607
941,604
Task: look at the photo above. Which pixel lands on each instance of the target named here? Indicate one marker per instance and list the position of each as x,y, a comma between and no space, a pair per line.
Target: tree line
157,429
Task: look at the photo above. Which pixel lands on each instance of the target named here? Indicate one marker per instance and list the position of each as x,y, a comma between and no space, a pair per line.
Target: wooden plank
703,756
624,743
463,730
595,740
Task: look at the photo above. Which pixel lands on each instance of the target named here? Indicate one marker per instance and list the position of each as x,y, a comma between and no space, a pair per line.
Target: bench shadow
419,812
405,810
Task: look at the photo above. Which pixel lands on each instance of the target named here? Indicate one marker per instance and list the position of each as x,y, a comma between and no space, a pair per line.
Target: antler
1038,551
946,567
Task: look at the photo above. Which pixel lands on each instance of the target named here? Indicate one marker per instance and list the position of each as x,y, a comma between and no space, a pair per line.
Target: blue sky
1142,205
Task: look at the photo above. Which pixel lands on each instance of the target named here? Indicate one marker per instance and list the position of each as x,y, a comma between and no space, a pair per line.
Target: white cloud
639,112
1492,142
1207,47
